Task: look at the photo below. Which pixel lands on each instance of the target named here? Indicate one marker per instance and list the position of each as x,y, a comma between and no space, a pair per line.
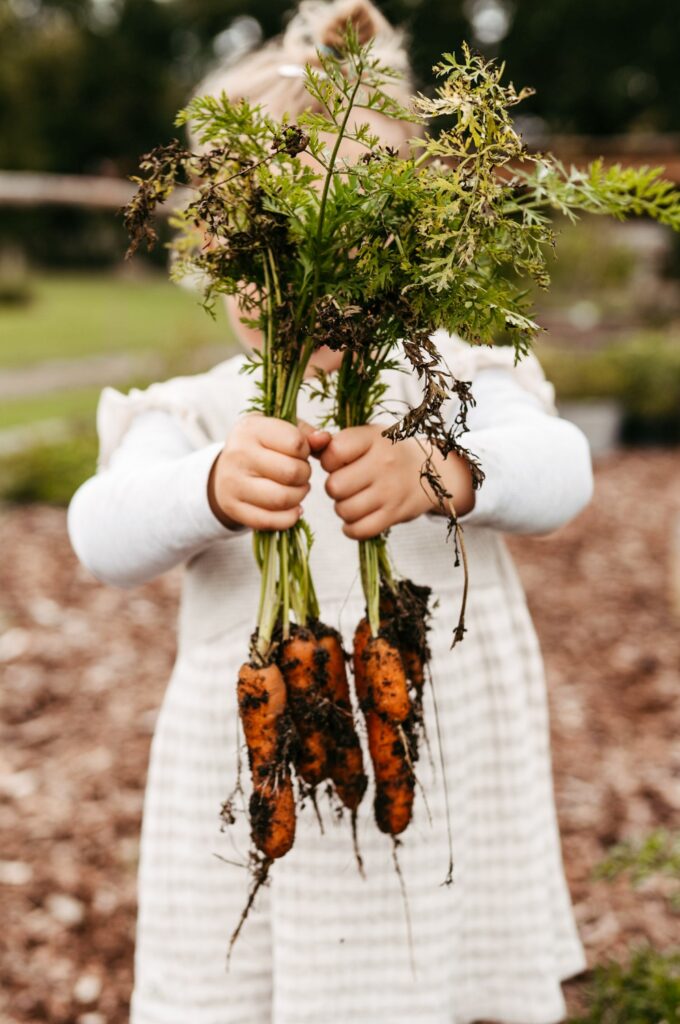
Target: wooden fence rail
29,188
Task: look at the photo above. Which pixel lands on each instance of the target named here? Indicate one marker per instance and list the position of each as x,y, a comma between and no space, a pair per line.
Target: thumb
316,439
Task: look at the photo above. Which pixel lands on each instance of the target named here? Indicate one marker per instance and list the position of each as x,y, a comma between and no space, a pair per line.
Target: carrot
403,618
302,670
362,635
346,763
262,706
387,683
394,779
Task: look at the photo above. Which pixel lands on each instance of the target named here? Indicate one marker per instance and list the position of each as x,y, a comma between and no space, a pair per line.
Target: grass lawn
78,314
71,405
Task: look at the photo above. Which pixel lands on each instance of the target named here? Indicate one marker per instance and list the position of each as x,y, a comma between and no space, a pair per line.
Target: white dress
324,945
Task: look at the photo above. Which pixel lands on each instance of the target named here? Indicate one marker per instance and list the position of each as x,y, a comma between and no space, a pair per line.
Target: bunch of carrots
296,708
370,256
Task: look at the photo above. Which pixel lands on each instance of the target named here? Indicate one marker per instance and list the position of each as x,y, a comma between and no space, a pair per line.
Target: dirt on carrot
302,664
346,763
389,739
394,778
262,704
387,686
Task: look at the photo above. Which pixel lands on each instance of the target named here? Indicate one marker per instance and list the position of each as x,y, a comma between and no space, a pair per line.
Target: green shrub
16,286
657,854
590,257
48,472
650,371
646,991
642,373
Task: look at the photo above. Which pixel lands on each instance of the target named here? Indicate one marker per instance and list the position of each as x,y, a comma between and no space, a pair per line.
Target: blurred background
86,87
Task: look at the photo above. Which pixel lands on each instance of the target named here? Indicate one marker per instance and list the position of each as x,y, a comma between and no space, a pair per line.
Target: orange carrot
302,670
387,683
262,705
362,635
403,618
346,762
394,779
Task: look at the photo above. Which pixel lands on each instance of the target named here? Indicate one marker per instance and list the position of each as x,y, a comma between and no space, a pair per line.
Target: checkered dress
324,945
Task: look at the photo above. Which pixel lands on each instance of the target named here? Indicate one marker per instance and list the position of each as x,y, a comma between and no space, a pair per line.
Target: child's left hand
373,482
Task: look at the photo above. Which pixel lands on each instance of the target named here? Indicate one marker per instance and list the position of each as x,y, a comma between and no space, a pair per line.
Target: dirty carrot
386,678
394,778
362,635
263,710
303,672
346,763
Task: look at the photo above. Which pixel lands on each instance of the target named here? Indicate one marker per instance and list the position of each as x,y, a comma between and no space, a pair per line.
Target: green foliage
16,287
75,93
61,50
615,191
48,473
646,991
649,368
590,260
657,854
598,68
642,373
385,247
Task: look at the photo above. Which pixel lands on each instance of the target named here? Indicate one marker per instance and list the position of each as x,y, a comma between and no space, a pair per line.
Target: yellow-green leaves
449,234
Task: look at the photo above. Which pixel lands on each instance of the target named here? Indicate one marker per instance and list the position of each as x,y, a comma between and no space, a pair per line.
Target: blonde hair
264,76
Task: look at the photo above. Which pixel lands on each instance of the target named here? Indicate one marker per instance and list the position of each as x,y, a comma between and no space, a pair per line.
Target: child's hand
375,483
262,474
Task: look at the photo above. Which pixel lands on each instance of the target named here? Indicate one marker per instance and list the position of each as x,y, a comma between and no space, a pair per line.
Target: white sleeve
147,510
538,468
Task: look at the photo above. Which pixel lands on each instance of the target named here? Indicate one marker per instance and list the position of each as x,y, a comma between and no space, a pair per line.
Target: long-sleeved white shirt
147,510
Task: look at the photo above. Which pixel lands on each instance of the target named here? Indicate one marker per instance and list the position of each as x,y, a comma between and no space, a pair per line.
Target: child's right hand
261,476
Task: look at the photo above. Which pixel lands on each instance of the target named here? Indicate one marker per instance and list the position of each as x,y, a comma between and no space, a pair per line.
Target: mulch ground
83,669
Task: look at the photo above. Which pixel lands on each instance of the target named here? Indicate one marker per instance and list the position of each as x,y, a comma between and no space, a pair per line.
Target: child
184,476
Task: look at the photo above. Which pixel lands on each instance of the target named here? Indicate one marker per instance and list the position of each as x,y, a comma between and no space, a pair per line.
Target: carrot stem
370,582
265,545
285,588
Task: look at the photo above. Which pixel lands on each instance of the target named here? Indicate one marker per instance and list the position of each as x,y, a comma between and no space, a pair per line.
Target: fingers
346,447
318,442
364,514
264,519
280,436
262,474
316,439
360,505
370,526
351,479
282,469
273,497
